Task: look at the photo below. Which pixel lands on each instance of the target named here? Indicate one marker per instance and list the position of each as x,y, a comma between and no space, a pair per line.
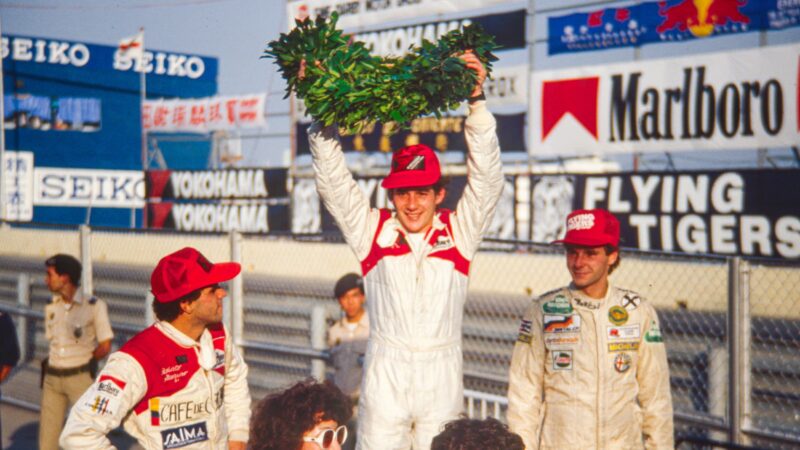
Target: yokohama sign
715,101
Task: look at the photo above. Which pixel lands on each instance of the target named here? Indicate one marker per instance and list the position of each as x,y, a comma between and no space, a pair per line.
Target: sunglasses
325,439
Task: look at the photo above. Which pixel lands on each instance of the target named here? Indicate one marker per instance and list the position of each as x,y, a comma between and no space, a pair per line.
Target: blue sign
667,21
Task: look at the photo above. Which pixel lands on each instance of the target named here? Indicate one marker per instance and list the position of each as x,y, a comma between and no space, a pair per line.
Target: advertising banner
59,186
667,21
18,188
204,115
713,101
445,134
365,13
61,53
247,200
736,212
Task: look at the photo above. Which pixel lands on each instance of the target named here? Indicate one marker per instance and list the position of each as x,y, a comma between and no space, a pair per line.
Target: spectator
589,369
77,327
347,339
474,434
180,382
307,416
9,351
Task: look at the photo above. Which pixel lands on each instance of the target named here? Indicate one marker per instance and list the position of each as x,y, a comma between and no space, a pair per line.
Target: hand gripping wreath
345,85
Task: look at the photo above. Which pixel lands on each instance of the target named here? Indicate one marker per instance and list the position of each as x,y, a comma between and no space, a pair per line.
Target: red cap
591,228
413,166
187,270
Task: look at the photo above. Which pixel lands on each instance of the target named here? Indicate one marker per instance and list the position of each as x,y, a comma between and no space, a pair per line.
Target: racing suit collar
395,224
579,299
204,346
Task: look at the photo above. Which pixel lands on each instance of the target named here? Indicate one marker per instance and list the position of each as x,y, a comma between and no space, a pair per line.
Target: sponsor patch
617,315
173,373
220,361
181,359
558,305
562,360
525,332
626,332
183,436
580,222
588,304
155,412
557,340
102,405
654,333
622,362
623,347
631,301
562,324
442,243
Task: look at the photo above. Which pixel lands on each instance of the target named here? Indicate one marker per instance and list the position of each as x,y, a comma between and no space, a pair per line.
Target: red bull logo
700,17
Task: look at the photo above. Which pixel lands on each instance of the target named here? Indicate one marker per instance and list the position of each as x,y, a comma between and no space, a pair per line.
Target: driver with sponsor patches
589,368
181,383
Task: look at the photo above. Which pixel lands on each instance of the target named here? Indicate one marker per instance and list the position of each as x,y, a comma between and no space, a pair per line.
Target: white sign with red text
712,101
363,13
205,114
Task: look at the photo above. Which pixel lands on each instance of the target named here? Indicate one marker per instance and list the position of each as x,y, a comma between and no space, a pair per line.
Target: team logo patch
525,332
183,436
442,242
622,362
626,332
220,358
101,405
630,301
580,222
562,360
552,341
558,305
654,333
617,315
623,347
562,324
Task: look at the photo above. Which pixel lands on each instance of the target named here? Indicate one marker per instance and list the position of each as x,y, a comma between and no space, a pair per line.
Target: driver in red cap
589,369
415,261
181,383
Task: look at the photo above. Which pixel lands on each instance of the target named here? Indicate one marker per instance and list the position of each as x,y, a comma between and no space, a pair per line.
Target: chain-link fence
278,312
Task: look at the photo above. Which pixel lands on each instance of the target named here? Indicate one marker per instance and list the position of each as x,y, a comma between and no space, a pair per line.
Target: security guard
79,332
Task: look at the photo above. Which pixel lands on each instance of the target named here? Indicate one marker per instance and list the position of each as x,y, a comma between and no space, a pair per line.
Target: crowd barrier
731,325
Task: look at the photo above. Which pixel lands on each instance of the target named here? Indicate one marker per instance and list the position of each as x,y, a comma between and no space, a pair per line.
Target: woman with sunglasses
307,416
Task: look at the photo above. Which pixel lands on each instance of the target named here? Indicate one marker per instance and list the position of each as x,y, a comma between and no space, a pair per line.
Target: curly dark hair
280,420
474,434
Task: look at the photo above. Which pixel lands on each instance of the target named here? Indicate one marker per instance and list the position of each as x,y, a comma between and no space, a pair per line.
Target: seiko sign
88,188
730,100
103,57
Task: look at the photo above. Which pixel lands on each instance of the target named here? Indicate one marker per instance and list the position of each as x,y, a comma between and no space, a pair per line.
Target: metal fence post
745,364
87,286
738,348
149,314
23,301
236,302
318,325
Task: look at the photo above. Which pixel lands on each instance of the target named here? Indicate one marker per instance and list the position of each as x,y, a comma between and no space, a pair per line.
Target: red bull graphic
667,21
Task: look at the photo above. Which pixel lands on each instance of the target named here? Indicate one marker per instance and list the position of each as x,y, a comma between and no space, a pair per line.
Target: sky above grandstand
235,31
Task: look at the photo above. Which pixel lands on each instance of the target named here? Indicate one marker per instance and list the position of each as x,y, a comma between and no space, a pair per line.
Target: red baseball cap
413,166
591,228
187,270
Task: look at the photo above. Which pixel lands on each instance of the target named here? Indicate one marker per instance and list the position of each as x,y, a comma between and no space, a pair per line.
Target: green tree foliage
345,85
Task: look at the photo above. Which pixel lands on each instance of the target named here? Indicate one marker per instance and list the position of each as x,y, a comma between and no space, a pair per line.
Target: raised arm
339,192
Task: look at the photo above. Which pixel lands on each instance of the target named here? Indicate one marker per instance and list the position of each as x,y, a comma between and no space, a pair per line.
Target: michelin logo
185,435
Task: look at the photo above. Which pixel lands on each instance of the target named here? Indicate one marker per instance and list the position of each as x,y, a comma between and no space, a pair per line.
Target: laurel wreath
345,85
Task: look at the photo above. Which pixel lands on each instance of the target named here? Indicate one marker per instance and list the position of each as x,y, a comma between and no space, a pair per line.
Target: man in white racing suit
180,383
589,369
415,261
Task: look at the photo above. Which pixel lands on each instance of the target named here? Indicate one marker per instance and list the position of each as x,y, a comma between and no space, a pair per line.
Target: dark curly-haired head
280,420
473,434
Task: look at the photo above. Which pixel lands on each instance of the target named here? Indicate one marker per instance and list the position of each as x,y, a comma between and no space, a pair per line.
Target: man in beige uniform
589,369
79,332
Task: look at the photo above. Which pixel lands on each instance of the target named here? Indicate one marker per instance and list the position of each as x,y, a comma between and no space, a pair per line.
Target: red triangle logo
578,96
158,214
157,181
